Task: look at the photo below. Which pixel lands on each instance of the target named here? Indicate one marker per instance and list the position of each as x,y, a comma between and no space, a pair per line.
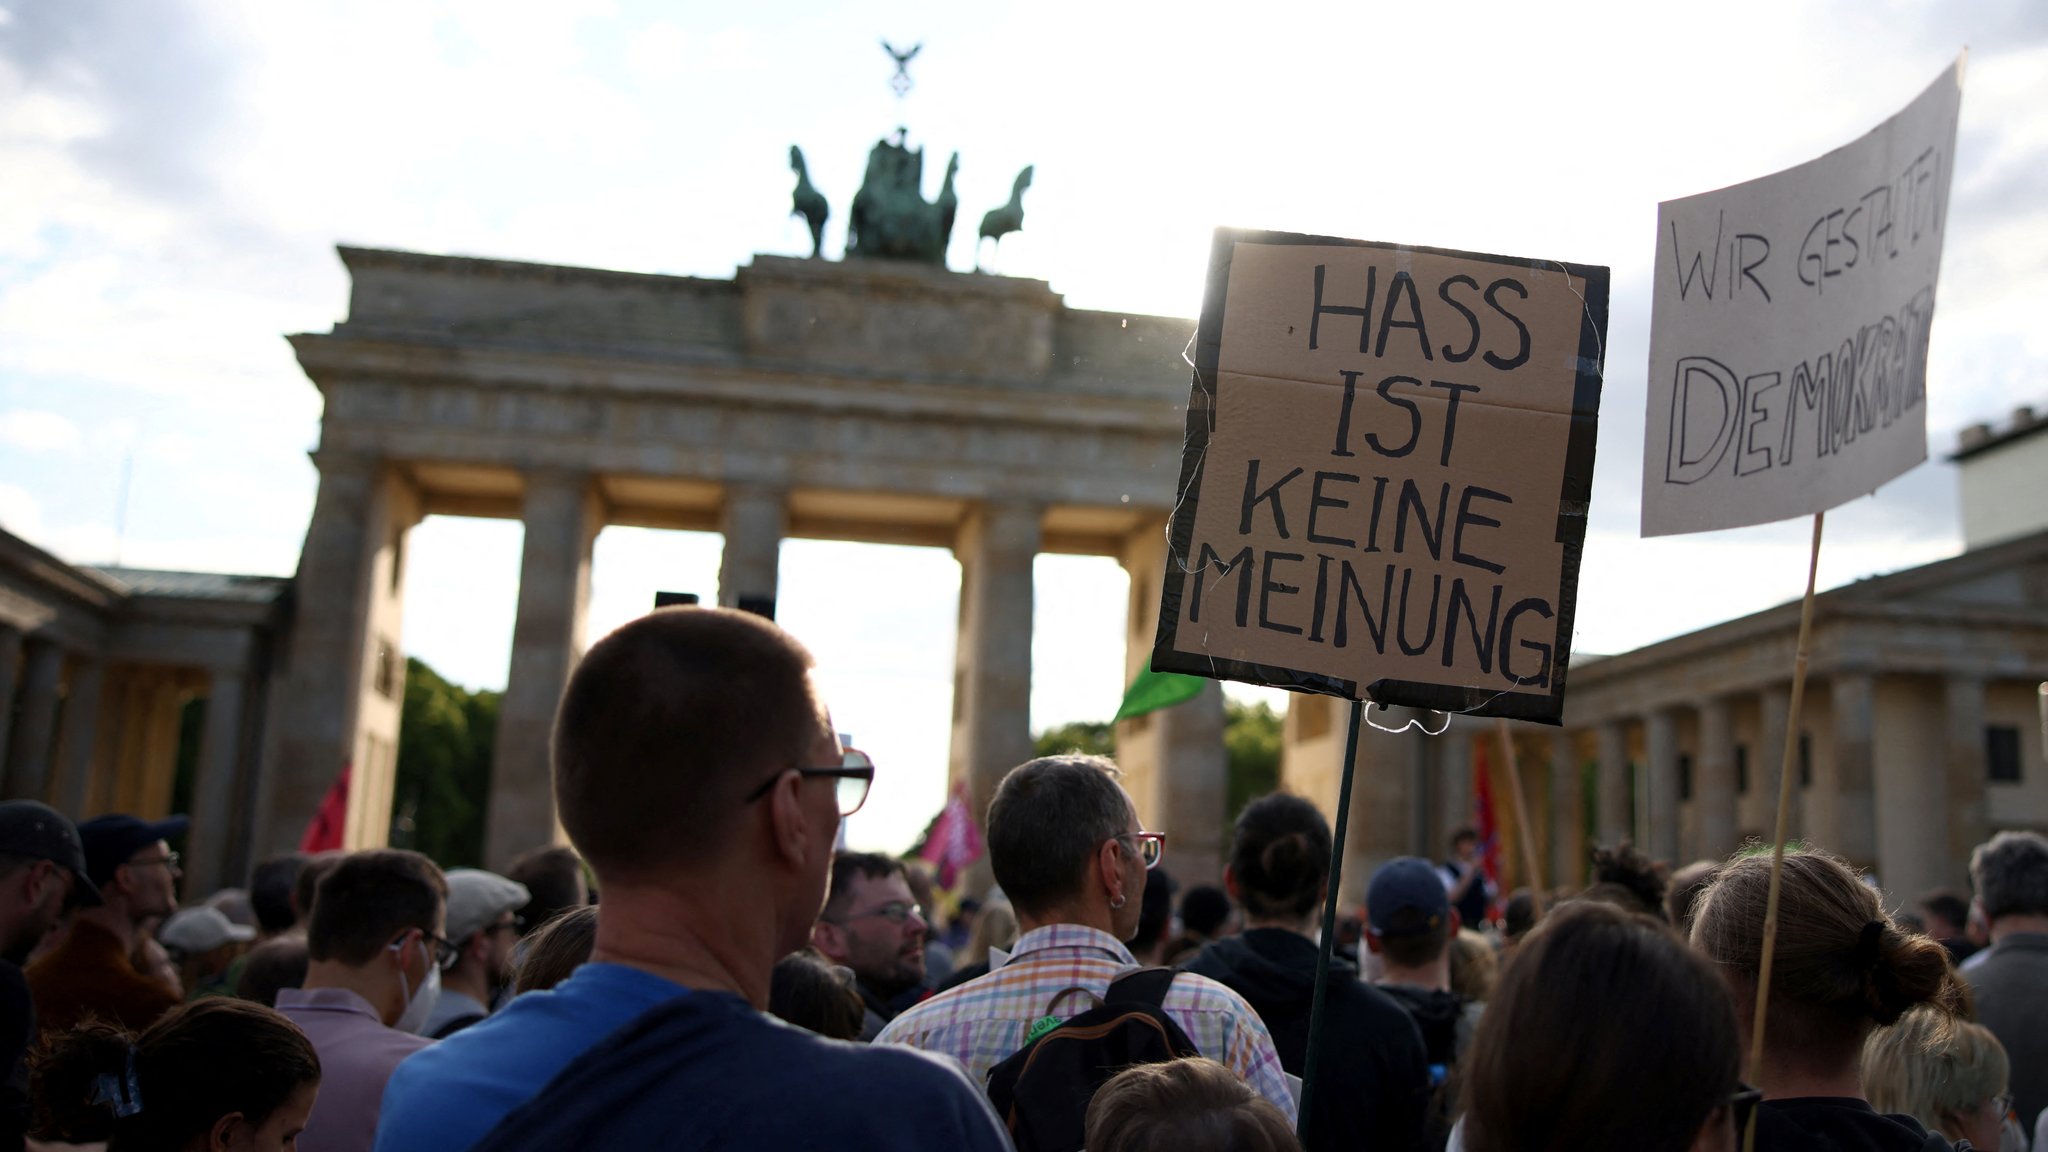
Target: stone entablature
96,667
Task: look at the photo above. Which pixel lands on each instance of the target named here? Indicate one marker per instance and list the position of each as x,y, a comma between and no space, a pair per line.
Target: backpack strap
1141,986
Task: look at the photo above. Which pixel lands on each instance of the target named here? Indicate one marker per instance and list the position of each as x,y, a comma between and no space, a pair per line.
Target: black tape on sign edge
1574,503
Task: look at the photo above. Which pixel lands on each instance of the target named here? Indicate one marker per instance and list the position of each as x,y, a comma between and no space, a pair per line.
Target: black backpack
1042,1091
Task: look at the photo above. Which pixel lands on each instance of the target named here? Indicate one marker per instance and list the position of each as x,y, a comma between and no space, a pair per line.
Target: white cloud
20,513
38,430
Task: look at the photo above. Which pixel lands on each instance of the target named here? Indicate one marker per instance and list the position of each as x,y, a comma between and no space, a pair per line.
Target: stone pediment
2008,575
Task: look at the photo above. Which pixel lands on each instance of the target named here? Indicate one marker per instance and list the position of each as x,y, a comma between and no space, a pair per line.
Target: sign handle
1524,831
1329,934
1785,769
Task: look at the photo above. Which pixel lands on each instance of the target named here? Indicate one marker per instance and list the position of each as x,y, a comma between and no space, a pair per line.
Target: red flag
954,842
324,832
1483,820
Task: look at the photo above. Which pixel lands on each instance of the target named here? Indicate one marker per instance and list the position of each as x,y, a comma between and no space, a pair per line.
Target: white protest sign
1788,333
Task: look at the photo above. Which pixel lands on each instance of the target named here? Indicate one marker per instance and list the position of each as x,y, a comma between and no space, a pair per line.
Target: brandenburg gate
864,400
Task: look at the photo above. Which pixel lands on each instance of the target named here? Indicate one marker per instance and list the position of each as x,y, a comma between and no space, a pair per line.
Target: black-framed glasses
1151,846
852,777
443,952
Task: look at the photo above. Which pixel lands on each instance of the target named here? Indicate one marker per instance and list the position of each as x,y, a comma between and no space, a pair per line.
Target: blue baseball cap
111,840
1406,898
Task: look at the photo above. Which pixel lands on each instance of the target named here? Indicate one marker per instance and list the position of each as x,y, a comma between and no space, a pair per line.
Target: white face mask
418,1008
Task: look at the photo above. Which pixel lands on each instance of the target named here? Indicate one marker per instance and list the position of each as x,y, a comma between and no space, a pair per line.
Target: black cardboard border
1575,498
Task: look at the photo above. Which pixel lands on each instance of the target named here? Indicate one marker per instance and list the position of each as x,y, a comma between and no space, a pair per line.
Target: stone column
1567,846
1194,771
754,520
562,516
1660,749
1854,698
1617,818
81,727
324,679
1453,785
10,665
1174,763
35,737
213,792
1967,773
992,677
1713,785
1774,717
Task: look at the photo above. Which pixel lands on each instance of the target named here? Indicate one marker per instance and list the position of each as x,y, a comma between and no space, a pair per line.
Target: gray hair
2010,873
1048,817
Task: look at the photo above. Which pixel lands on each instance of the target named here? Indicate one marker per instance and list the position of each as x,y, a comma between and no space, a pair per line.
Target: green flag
1152,691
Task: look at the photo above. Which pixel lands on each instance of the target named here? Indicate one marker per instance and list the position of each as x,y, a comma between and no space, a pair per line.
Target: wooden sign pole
1786,768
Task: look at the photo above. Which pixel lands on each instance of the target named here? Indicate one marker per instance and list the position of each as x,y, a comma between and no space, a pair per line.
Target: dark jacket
2010,984
1372,1076
1837,1124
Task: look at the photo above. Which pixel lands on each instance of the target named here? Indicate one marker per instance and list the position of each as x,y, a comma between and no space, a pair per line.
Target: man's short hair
1948,904
271,884
553,877
1204,909
1462,834
847,865
2011,874
665,727
369,899
1046,821
307,887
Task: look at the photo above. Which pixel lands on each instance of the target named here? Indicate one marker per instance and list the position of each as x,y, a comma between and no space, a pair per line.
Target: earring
1117,903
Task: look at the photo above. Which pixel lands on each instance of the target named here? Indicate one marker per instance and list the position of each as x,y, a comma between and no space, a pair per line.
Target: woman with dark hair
1372,1080
212,1075
1842,969
1607,1032
556,949
811,992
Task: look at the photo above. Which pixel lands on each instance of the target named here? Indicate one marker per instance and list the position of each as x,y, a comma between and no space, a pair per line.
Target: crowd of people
705,968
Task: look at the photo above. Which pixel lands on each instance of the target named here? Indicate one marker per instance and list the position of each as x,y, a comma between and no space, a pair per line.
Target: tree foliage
1251,736
1095,737
1251,739
442,796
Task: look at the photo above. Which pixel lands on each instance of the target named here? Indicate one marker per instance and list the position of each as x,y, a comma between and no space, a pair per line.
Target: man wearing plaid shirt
1064,840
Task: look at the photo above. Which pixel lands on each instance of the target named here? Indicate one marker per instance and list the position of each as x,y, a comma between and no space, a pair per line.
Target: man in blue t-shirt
697,772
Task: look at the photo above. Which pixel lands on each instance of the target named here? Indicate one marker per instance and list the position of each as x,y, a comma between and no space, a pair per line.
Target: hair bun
1902,970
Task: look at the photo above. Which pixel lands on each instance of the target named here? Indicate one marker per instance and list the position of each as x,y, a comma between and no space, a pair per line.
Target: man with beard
42,870
483,924
872,924
93,973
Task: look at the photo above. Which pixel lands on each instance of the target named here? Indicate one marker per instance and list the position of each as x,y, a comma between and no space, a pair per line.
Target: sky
175,174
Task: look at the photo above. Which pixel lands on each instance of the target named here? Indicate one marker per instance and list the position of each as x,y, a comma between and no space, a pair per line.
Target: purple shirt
357,1053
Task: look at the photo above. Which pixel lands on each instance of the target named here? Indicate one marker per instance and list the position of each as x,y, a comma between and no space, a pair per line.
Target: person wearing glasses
1067,849
697,772
1951,1075
377,947
873,925
483,921
93,972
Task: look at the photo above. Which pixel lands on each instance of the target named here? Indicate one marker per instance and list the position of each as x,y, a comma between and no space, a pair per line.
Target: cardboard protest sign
1788,335
1384,488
